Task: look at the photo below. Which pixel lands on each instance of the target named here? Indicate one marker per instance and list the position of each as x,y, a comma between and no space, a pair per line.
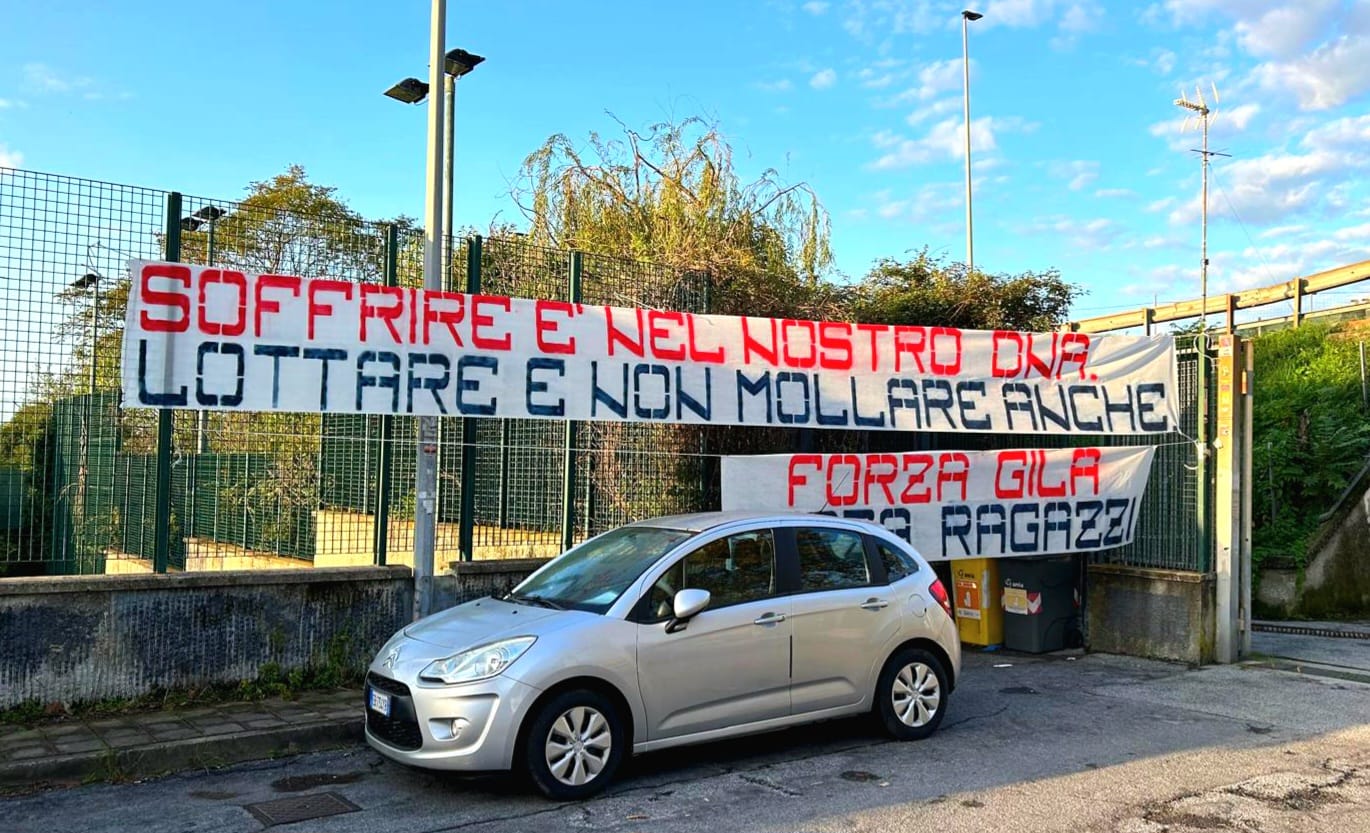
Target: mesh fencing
79,474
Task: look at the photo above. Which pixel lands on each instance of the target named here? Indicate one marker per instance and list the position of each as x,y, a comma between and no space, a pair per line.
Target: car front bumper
471,727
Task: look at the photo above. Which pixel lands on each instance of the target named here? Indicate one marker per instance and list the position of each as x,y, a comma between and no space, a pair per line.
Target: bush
1310,435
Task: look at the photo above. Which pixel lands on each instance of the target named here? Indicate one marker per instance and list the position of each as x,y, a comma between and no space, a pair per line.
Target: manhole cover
300,808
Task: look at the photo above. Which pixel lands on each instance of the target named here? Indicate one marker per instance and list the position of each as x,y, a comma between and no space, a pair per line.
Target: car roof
701,521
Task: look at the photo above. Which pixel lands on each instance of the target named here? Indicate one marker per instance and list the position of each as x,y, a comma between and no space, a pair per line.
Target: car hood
483,621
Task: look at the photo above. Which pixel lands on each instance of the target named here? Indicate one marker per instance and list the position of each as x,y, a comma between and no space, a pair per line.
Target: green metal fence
87,487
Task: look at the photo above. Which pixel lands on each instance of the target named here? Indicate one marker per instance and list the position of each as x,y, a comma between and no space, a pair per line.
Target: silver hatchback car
665,632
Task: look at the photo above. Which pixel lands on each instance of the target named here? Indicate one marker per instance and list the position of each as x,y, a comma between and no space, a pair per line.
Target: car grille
387,685
401,728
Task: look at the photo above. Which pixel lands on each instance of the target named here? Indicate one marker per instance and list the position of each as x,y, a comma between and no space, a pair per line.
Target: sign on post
211,338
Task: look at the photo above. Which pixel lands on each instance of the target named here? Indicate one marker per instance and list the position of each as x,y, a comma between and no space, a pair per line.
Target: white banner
959,504
200,337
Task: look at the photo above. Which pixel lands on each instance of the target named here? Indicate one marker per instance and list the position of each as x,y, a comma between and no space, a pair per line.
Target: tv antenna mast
1204,115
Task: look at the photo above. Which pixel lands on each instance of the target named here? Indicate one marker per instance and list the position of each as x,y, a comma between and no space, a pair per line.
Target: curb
205,752
1312,669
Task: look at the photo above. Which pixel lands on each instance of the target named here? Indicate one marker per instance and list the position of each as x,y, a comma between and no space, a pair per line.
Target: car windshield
593,575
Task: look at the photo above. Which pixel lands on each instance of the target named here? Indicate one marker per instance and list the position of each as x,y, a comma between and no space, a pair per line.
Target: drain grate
300,808
1300,630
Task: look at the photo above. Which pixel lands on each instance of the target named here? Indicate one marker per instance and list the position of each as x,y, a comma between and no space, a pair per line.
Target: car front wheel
574,745
911,696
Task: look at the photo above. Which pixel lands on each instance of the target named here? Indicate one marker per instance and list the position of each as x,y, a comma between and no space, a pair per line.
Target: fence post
161,547
380,531
568,471
466,531
505,437
1298,300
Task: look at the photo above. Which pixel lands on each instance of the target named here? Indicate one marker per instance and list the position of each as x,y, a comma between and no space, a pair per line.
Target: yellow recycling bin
979,617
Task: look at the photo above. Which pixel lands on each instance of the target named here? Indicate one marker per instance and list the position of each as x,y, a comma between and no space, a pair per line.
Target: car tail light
940,594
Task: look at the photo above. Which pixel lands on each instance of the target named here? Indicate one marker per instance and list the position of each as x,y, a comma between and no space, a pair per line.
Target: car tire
911,695
574,745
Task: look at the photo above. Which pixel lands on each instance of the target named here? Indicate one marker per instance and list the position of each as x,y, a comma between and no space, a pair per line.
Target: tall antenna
1205,117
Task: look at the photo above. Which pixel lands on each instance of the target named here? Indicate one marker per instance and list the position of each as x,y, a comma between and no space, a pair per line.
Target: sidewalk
151,743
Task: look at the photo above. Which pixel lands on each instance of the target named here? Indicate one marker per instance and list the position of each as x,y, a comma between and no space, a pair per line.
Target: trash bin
979,617
1041,601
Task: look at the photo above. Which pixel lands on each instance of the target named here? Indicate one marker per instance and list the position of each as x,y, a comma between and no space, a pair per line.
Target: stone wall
82,638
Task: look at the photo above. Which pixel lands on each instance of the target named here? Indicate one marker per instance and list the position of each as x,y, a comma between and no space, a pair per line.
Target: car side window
736,569
830,559
897,563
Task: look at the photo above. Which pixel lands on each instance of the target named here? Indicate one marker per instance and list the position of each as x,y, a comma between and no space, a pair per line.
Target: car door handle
770,619
874,604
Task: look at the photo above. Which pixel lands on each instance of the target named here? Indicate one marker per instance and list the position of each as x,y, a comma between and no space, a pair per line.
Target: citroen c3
665,632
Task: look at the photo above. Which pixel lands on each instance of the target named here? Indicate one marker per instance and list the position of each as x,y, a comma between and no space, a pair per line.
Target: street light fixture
456,63
91,280
967,17
409,91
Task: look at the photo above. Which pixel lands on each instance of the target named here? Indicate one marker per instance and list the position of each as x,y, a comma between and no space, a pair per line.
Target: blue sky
1079,160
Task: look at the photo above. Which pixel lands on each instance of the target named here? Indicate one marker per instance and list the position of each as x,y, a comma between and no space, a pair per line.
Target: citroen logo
391,658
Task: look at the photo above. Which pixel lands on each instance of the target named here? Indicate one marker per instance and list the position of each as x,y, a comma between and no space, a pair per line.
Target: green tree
929,290
672,195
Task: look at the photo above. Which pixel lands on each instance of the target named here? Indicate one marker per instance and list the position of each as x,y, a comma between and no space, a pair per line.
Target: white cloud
1094,235
867,18
781,86
1019,13
1115,193
1165,62
1080,173
1162,204
1359,234
1283,231
10,158
40,78
934,79
1328,77
937,109
1280,184
1286,31
945,140
823,79
815,7
935,205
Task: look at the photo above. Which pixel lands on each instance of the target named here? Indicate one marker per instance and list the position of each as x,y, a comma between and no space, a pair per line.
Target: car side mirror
687,604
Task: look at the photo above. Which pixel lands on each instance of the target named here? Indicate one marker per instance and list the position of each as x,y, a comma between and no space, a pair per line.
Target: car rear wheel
911,696
574,745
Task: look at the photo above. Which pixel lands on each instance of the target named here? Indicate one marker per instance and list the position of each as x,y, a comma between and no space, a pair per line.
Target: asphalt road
1094,743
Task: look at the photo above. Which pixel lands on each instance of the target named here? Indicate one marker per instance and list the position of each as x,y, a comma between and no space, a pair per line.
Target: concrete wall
1336,582
94,637
475,579
1162,614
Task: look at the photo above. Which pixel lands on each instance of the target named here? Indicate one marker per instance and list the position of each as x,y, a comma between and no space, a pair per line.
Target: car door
844,618
731,663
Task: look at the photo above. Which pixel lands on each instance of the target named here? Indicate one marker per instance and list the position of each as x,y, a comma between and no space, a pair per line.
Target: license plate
378,702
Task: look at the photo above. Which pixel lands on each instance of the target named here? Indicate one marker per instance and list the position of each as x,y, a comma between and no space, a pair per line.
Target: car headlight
478,663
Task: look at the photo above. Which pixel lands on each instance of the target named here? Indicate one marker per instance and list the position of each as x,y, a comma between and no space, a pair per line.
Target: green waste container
1041,599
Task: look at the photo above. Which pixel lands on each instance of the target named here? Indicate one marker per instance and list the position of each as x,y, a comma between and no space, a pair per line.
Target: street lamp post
457,63
91,279
444,69
966,17
205,216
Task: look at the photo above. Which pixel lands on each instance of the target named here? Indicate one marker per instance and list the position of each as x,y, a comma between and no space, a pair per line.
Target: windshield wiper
533,599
